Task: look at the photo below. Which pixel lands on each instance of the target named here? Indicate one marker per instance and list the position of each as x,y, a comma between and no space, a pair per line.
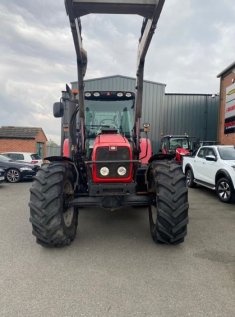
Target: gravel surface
113,268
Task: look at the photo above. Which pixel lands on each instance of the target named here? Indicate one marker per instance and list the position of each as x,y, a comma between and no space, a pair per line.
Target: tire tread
171,203
45,207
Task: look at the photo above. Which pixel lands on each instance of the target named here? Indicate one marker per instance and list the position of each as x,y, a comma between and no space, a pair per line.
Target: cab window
210,152
201,153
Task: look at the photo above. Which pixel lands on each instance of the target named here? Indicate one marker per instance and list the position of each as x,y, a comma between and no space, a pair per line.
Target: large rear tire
170,203
54,222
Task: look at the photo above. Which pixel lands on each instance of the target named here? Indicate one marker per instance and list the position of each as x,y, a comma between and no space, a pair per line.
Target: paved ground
113,268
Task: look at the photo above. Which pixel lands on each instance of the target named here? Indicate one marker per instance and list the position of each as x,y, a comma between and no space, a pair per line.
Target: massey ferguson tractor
177,146
106,163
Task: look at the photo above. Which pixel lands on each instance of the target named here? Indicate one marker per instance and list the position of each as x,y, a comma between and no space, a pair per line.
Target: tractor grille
120,154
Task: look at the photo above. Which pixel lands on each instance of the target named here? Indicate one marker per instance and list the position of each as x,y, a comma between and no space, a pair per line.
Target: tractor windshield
179,143
115,114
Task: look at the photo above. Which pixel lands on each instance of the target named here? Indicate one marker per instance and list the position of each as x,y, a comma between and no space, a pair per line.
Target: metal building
194,114
153,98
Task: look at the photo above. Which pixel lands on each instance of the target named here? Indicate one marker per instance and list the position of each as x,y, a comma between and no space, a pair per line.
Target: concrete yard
113,268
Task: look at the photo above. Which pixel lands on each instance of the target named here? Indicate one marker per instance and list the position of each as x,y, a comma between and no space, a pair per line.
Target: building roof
10,132
226,70
120,76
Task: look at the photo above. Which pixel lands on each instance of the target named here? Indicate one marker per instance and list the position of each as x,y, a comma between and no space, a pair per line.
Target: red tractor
177,146
106,163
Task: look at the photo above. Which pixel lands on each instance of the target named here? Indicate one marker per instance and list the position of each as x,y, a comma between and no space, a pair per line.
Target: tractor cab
108,112
176,145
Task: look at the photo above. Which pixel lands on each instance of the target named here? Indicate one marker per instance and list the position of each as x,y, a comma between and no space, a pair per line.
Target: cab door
210,167
164,148
199,165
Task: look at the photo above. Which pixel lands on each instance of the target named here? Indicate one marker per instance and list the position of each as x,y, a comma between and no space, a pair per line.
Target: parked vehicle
177,146
17,171
213,167
27,157
109,165
2,175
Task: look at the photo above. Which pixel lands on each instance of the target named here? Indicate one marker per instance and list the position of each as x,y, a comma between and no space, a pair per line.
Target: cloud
192,44
190,50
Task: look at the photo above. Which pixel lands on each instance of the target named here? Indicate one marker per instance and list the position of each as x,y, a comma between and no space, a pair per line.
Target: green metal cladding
194,114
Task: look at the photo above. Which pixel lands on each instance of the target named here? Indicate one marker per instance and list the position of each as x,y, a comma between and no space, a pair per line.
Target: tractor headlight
104,171
121,171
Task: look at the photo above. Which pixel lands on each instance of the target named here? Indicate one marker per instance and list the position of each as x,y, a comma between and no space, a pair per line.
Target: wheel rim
13,176
188,178
224,190
68,211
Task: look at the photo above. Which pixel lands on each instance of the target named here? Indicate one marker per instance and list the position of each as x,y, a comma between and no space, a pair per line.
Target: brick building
227,105
23,139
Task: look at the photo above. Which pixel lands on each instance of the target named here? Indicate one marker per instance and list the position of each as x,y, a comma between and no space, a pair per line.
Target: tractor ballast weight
105,162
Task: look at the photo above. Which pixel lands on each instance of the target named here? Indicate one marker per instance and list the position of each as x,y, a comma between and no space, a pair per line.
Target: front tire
170,202
54,222
224,190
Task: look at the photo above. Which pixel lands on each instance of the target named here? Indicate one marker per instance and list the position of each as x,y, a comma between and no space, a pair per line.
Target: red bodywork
66,148
179,153
111,141
176,152
145,150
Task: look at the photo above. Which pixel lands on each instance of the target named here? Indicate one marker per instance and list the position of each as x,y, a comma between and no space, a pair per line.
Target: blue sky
194,42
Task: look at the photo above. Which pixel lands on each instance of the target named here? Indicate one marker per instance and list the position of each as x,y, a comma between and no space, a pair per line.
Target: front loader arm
149,9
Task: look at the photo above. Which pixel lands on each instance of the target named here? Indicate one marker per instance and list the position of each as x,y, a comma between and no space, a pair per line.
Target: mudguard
145,150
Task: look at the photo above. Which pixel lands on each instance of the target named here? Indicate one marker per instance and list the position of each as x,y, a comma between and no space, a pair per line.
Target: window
16,156
227,153
4,158
117,114
201,153
40,149
35,157
179,143
210,152
164,144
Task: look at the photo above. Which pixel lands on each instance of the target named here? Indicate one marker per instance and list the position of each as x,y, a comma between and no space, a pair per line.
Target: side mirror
211,158
58,110
146,127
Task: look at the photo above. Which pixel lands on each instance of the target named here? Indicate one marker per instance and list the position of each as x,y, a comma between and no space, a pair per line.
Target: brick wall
225,138
17,145
23,145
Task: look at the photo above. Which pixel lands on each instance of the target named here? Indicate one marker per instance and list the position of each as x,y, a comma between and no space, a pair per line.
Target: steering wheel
111,122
